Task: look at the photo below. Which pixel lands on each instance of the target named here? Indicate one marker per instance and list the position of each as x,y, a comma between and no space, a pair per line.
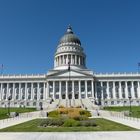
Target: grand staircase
87,104
83,103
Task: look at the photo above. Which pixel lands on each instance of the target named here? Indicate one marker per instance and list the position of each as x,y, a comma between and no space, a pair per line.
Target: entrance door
70,96
76,96
63,96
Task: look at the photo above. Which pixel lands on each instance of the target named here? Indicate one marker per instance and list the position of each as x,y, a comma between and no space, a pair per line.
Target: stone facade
70,79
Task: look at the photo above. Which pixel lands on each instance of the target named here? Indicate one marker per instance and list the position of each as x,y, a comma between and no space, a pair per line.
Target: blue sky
108,29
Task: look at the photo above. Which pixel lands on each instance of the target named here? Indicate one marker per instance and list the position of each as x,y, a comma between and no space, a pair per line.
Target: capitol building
70,82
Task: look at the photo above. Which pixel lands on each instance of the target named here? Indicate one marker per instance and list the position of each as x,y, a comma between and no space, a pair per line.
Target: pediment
72,73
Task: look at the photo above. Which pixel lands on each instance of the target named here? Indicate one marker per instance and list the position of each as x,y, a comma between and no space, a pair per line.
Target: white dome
69,52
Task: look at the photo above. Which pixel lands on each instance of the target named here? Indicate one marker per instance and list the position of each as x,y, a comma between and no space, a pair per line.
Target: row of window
17,97
22,104
124,93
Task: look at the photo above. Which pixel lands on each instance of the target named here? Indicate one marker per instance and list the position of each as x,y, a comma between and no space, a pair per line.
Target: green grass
4,111
33,126
135,109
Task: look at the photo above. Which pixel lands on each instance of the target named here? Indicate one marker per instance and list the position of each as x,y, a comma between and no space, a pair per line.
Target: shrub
58,122
61,106
52,122
81,118
63,111
73,114
71,123
54,113
88,123
47,122
85,113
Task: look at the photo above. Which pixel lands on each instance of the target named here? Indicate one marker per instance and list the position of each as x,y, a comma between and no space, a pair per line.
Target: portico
70,89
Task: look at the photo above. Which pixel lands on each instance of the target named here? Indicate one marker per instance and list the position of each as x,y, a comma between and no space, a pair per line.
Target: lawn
4,111
33,126
135,110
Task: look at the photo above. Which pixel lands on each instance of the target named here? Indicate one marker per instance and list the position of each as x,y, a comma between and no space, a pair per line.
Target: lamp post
9,99
130,109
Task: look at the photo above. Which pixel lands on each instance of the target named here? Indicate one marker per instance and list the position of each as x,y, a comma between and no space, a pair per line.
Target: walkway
109,135
24,117
127,135
120,118
113,116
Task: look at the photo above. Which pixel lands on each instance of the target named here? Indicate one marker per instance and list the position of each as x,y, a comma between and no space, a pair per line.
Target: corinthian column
48,90
107,90
60,95
1,92
38,92
72,89
126,90
79,89
92,89
132,90
120,88
44,91
86,89
138,89
54,90
25,91
114,91
20,96
66,89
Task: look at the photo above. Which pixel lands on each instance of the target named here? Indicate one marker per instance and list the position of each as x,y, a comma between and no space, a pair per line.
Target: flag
68,66
139,64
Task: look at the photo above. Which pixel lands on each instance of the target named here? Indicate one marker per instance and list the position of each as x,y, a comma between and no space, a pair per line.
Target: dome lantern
69,29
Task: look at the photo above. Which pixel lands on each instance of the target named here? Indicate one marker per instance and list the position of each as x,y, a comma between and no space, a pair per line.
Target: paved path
110,135
128,122
72,136
23,117
103,114
120,118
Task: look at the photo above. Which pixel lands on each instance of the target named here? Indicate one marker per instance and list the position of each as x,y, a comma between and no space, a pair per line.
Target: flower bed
68,117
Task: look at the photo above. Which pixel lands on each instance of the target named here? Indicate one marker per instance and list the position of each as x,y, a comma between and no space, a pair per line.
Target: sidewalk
127,135
118,117
23,117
